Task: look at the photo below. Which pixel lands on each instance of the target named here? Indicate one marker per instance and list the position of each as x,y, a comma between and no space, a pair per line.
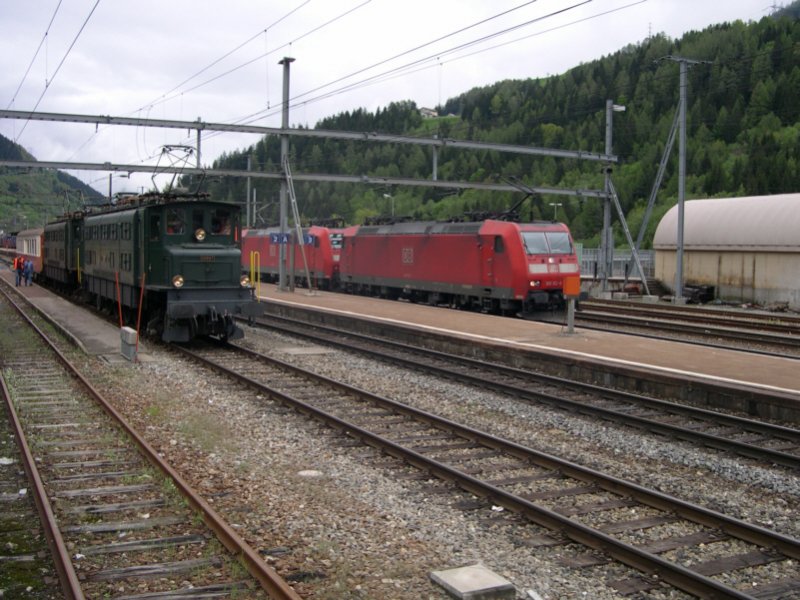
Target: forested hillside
743,134
29,197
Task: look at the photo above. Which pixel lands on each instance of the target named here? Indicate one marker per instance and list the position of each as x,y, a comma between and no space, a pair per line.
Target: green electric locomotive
174,258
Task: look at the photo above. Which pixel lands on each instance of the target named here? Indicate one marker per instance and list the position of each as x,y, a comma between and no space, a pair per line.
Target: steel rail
720,443
674,574
272,583
70,585
665,324
754,319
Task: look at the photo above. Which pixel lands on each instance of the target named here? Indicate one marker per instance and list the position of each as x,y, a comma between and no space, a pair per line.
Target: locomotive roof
755,223
420,228
433,227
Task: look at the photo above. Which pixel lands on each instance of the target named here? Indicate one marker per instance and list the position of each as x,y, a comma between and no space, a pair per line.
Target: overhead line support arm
309,133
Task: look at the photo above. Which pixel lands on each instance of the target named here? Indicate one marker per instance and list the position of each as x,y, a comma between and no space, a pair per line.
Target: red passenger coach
261,253
29,246
495,266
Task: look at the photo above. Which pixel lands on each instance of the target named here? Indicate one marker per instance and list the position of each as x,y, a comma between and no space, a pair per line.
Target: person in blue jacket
27,271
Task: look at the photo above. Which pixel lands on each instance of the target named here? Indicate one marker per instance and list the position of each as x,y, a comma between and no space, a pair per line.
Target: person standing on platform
27,271
18,266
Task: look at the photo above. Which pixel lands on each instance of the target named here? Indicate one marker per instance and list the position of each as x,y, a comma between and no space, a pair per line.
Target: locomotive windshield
546,242
174,221
221,222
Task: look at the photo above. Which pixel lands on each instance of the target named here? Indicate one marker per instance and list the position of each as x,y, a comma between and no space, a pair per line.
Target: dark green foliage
29,197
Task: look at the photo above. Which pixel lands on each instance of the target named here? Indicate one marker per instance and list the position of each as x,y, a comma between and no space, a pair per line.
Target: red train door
487,266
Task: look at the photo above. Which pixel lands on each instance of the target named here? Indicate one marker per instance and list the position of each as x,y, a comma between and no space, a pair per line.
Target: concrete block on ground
604,295
474,582
127,335
619,296
650,299
128,343
129,351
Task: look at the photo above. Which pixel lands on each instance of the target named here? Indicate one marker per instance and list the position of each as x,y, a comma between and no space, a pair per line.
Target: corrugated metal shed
752,223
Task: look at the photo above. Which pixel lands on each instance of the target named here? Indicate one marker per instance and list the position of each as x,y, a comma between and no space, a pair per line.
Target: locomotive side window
155,227
559,242
174,221
499,245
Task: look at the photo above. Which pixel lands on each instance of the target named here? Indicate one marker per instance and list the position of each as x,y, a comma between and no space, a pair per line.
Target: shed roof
751,223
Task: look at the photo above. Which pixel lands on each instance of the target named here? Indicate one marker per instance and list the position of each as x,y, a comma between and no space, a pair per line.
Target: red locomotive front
261,252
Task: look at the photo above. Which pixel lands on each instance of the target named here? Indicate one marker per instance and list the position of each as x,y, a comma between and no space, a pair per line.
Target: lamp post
555,206
606,239
110,177
390,197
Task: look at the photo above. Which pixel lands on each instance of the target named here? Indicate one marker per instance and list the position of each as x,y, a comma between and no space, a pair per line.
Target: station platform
675,359
89,331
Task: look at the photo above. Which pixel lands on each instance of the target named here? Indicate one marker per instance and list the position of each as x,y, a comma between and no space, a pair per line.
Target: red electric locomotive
494,266
321,246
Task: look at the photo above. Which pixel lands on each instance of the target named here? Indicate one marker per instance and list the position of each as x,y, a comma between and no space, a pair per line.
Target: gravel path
340,524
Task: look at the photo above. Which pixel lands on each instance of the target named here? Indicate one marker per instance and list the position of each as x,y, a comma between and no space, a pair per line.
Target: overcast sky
184,59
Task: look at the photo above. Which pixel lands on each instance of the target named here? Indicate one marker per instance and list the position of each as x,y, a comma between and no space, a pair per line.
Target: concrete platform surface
773,374
93,334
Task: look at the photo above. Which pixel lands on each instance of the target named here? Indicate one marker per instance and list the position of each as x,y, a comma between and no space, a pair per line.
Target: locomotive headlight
177,281
200,234
536,283
244,281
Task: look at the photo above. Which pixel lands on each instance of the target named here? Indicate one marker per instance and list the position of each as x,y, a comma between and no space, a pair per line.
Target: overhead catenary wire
396,71
165,96
58,68
35,54
260,57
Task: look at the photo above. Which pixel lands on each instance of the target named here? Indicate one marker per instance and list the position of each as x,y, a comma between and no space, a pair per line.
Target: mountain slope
28,198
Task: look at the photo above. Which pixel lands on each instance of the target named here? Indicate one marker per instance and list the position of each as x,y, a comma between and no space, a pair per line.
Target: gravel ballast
339,521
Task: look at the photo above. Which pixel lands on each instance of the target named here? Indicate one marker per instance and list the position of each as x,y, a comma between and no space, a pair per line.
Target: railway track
25,564
663,539
759,440
772,334
119,521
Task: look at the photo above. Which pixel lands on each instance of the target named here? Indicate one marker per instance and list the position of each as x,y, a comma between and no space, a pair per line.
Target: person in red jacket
18,265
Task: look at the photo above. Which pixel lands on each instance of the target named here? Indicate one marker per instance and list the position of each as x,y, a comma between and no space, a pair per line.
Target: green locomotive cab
191,261
174,258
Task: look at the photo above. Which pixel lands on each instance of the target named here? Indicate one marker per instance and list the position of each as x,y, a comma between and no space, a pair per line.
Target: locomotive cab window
174,221
535,242
559,242
221,222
